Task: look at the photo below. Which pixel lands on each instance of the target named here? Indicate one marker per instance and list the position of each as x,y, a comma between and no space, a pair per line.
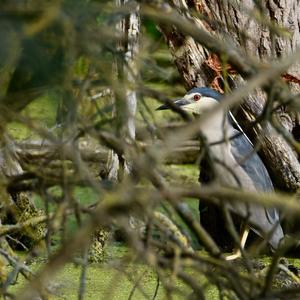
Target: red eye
197,97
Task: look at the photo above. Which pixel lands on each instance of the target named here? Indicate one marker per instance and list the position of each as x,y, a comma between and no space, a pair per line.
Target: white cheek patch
200,106
206,103
192,108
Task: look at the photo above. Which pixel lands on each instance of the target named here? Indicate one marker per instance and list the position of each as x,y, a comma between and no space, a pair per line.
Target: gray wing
249,160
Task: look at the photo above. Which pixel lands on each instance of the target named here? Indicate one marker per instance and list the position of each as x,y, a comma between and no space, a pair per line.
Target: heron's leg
237,252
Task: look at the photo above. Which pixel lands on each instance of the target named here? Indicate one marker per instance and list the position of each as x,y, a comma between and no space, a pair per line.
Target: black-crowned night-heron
235,164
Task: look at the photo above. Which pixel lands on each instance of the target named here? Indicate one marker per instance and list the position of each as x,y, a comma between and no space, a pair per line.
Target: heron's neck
217,128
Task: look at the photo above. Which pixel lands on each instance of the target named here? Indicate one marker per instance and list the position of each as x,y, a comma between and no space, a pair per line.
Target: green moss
98,244
86,195
19,131
105,282
182,173
25,210
42,111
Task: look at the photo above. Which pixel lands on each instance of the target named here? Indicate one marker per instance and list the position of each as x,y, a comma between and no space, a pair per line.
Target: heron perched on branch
232,162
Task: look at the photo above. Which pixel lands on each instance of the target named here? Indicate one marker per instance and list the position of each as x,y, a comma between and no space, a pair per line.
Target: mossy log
35,152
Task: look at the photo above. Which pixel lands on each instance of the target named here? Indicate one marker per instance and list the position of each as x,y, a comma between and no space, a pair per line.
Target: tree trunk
235,22
125,101
193,63
280,159
125,106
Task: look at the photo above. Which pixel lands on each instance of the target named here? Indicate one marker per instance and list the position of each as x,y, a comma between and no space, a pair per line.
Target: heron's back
238,165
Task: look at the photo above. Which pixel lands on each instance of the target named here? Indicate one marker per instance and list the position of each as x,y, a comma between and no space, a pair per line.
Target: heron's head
197,100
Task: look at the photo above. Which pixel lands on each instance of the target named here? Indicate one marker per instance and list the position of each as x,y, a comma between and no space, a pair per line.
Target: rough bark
125,97
278,156
125,107
187,54
239,26
234,22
